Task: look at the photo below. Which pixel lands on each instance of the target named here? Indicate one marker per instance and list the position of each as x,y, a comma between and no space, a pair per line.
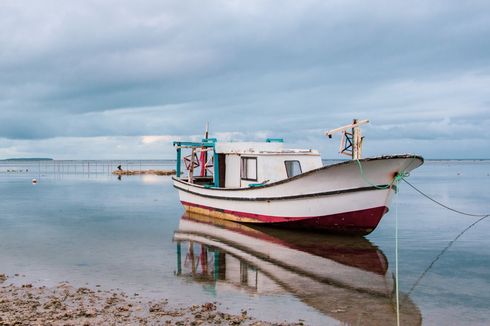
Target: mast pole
204,154
351,143
191,167
355,140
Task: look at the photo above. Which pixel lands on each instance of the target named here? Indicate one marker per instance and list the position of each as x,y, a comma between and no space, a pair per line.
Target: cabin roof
272,146
257,148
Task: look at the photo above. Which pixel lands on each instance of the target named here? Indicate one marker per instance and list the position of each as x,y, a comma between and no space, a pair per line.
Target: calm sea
81,224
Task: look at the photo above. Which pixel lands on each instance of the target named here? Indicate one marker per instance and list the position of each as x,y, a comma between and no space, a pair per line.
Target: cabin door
222,169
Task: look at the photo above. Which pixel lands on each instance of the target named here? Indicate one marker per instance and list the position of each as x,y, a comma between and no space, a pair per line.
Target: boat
344,278
267,183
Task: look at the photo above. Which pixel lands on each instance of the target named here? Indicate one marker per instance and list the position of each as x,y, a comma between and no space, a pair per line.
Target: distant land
29,159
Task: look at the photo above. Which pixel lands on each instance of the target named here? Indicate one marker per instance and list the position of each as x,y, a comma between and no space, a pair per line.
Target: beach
65,304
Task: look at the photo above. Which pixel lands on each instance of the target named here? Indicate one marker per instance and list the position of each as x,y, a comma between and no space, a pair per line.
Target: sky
123,79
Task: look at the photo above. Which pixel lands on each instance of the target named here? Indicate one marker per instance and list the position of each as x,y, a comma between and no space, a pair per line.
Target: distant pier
89,168
139,172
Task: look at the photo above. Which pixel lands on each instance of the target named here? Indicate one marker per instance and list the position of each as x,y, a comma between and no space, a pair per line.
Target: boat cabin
242,164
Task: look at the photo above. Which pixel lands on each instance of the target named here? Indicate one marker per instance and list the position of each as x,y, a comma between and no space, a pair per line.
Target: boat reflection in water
342,277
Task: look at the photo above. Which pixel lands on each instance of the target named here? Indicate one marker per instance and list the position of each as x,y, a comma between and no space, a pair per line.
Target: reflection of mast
210,264
179,258
344,278
204,259
191,256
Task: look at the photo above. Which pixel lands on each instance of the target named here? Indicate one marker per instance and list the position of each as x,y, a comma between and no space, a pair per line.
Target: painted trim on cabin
215,168
274,140
179,159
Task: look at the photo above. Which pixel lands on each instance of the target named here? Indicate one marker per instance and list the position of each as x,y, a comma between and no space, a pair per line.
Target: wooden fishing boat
264,182
344,278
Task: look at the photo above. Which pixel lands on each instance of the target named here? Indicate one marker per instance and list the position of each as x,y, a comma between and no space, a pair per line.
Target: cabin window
249,168
292,168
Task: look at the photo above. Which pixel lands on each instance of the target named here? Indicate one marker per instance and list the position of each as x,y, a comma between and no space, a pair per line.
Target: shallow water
93,228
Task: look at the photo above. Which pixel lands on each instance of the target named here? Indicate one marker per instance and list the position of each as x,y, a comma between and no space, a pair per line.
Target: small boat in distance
264,182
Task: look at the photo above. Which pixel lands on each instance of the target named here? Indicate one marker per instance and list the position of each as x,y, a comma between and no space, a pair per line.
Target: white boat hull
346,197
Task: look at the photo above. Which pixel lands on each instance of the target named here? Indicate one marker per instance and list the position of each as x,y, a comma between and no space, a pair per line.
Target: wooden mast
204,155
356,141
351,143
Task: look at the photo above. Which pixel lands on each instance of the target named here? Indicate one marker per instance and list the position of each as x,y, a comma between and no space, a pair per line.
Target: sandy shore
65,304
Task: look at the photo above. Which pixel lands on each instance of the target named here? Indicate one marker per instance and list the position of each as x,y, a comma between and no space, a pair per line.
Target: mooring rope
441,204
443,251
363,176
400,176
396,262
396,179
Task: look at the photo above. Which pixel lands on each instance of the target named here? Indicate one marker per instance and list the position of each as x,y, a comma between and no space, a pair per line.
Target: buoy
34,181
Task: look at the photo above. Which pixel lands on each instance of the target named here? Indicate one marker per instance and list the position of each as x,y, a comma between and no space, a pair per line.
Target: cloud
126,69
113,147
155,139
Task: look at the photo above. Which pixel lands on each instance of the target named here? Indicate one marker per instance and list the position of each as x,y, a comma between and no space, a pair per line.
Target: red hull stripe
361,220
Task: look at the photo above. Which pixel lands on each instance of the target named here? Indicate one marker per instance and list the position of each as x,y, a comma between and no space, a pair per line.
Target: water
91,228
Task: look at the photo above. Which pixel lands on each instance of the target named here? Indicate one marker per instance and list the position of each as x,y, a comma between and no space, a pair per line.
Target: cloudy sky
122,79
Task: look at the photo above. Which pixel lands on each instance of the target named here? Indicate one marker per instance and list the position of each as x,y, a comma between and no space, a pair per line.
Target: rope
449,245
442,253
397,293
396,179
363,176
441,204
400,176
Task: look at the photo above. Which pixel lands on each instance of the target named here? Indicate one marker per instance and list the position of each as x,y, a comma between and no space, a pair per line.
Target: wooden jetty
140,172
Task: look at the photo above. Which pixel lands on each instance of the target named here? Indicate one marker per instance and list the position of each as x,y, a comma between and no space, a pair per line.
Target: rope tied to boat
441,204
396,179
363,176
401,176
443,251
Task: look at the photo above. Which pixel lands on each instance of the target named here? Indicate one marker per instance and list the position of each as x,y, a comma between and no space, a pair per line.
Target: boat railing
191,162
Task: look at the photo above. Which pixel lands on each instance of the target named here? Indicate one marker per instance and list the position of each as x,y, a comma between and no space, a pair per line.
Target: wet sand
65,304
